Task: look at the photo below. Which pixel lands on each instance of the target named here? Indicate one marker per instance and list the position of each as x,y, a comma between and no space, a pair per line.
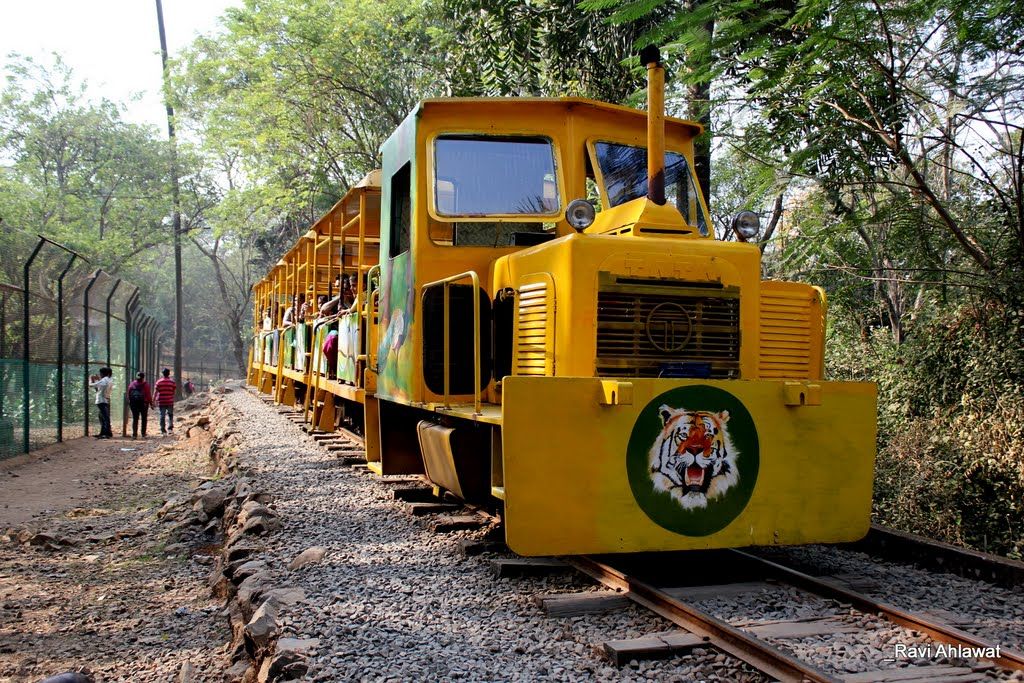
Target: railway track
752,642
701,628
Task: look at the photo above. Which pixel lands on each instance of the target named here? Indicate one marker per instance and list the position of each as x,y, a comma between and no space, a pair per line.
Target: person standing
139,400
104,386
165,390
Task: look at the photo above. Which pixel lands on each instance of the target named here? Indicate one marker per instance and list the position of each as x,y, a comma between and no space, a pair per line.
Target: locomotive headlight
746,225
580,214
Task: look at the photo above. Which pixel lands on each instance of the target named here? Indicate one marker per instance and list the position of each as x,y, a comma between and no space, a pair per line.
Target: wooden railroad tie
342,447
415,494
330,436
420,509
575,604
448,523
938,673
528,566
351,461
400,480
675,643
472,547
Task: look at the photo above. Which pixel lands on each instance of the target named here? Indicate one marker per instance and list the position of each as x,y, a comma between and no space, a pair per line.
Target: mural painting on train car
348,346
693,459
397,308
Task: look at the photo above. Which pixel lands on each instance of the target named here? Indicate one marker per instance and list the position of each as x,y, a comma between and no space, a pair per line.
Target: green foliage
951,422
296,97
543,48
77,172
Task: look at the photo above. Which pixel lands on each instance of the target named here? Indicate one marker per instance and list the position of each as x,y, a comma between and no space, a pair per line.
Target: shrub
950,423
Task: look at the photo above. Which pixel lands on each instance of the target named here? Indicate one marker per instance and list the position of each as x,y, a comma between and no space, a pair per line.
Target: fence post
25,372
128,367
60,348
85,330
117,283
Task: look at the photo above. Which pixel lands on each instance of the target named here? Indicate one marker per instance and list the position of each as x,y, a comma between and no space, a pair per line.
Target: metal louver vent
788,347
535,325
655,328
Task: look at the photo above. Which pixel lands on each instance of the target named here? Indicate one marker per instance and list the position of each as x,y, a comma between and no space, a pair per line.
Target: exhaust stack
651,57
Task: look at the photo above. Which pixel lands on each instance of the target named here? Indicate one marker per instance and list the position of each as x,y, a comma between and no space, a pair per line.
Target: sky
112,44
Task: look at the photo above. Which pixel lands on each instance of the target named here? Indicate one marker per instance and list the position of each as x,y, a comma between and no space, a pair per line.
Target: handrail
372,324
446,282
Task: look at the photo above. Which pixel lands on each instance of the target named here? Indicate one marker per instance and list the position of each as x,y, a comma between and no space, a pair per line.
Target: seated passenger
289,315
330,350
329,308
347,293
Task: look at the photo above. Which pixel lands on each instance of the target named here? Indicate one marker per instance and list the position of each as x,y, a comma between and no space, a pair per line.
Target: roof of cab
569,102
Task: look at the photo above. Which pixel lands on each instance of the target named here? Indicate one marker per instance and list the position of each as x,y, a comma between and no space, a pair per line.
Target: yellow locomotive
540,319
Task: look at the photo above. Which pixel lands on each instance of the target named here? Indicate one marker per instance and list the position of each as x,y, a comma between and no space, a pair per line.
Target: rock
251,590
283,666
298,645
261,629
243,570
211,501
202,421
238,552
129,533
259,526
70,677
254,509
287,595
307,556
236,672
186,673
48,539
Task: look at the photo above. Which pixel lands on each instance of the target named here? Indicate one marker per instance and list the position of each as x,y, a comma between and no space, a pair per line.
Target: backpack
135,394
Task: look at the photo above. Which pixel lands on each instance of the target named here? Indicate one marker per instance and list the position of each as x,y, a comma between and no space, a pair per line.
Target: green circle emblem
692,459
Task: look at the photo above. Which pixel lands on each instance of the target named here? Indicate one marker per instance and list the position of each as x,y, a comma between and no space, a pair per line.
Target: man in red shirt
164,394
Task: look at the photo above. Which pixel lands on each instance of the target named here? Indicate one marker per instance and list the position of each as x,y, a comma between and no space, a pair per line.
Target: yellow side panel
792,331
687,464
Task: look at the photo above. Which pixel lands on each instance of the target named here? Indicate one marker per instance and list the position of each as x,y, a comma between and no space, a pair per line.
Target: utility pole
176,199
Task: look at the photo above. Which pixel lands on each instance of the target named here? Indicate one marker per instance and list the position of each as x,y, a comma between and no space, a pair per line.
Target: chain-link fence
60,322
205,374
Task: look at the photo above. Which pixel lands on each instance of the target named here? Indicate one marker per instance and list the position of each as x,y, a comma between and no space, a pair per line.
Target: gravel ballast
391,599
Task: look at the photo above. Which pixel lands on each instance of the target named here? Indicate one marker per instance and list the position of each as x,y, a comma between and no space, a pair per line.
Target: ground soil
119,593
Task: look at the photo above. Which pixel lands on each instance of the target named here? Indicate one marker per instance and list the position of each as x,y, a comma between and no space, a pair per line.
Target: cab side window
401,210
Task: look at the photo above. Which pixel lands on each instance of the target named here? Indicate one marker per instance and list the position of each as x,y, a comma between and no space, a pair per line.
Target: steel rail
930,554
1007,658
754,651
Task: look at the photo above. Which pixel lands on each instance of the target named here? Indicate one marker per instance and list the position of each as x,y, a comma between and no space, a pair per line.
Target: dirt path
67,475
106,587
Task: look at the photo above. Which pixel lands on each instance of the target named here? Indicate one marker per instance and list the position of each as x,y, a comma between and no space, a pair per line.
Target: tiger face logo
693,458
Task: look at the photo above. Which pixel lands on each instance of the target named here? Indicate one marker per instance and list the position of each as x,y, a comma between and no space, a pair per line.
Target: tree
78,173
551,49
305,93
915,99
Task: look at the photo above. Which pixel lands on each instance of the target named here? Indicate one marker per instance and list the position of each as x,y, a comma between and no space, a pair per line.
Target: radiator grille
534,351
649,330
789,312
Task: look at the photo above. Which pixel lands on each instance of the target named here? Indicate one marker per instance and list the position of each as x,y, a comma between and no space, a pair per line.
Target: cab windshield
624,171
478,175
